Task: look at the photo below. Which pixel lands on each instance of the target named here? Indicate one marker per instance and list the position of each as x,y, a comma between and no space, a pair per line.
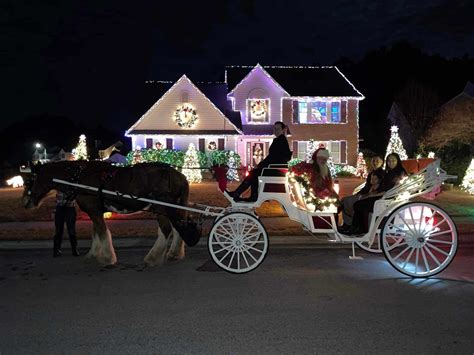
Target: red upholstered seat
424,162
410,165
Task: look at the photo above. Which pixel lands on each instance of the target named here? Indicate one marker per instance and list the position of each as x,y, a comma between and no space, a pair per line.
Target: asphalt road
301,300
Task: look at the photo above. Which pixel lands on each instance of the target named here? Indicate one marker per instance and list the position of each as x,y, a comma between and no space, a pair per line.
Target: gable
301,81
161,116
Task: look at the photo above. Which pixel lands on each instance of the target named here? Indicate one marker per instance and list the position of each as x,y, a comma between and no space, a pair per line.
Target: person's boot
74,249
239,190
57,248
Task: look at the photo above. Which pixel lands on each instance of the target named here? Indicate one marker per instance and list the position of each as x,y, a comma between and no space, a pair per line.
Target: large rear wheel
419,239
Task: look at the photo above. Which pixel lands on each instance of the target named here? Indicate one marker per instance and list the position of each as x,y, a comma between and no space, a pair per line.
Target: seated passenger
321,180
347,203
279,153
394,173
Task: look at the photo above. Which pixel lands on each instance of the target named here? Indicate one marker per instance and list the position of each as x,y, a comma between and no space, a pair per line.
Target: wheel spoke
245,259
407,259
249,253
228,252
437,249
426,261
438,241
432,255
223,236
412,219
437,224
416,260
401,253
439,233
406,224
231,258
251,247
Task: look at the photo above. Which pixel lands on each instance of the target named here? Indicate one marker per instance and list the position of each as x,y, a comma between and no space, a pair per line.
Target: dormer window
258,110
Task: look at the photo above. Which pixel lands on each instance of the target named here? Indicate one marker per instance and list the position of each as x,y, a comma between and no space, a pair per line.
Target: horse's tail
186,228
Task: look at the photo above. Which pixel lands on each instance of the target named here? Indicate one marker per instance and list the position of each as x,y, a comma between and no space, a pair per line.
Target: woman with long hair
394,173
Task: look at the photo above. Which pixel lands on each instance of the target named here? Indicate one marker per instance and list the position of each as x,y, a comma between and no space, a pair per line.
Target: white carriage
418,238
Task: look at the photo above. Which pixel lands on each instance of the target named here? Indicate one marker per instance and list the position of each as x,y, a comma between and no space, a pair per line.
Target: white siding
161,115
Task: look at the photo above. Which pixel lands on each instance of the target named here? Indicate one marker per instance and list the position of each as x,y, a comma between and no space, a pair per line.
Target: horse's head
37,182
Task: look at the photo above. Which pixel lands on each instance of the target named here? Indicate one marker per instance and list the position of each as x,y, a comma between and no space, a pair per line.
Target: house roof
216,92
182,132
301,80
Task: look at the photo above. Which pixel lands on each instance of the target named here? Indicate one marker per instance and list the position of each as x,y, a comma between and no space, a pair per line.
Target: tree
80,153
395,144
310,149
468,181
453,122
419,104
232,173
191,165
361,167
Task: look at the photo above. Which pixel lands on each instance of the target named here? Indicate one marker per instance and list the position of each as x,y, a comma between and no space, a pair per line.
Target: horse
156,181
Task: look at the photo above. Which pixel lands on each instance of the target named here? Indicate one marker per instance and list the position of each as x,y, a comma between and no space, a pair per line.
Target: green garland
176,157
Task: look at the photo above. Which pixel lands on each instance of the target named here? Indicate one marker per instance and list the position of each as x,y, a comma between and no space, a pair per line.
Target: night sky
87,60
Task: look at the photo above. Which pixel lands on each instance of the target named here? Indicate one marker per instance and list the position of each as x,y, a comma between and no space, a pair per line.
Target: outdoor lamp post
39,146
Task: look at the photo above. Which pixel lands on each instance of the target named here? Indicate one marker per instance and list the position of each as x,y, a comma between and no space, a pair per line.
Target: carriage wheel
419,239
238,242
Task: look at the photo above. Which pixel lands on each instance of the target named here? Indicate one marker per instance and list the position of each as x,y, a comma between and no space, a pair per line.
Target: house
317,103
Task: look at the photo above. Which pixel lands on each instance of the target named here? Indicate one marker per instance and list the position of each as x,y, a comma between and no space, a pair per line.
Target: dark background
72,67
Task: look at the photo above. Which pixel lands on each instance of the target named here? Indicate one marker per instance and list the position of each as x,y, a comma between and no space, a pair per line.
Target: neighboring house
316,103
398,118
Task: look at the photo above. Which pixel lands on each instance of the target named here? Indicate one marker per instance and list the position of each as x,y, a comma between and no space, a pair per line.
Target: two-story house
316,103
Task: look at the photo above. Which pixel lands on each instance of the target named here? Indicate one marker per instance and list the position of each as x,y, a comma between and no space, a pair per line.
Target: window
319,111
202,144
335,151
149,143
302,146
303,112
169,143
334,148
258,110
336,111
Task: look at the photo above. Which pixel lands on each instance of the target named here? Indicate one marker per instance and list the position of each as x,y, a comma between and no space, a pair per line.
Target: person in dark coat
347,203
279,153
65,213
394,173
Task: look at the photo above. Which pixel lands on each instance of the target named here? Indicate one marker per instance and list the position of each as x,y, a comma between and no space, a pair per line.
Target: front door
256,152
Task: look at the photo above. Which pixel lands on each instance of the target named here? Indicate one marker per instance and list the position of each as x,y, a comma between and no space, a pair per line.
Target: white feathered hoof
151,260
173,257
104,260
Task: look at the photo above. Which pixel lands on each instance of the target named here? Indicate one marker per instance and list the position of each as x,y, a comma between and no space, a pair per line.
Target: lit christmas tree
310,149
332,167
191,165
80,153
232,171
395,144
361,167
137,156
468,181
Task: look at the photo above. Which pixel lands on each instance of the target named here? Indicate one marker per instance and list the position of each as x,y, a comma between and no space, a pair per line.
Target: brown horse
154,181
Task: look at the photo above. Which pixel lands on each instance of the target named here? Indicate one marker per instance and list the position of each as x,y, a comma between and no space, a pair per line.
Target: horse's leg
156,255
176,251
95,250
107,256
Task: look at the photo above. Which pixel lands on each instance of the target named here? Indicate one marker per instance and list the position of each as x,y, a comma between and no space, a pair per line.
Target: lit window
318,112
336,111
335,151
302,146
303,112
258,110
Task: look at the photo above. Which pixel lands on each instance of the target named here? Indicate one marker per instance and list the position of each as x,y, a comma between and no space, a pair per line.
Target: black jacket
367,185
279,152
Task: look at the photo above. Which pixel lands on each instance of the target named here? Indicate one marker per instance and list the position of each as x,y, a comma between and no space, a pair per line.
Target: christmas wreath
302,173
185,116
258,108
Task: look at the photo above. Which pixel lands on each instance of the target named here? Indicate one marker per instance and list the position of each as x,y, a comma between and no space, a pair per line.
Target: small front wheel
238,242
419,239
